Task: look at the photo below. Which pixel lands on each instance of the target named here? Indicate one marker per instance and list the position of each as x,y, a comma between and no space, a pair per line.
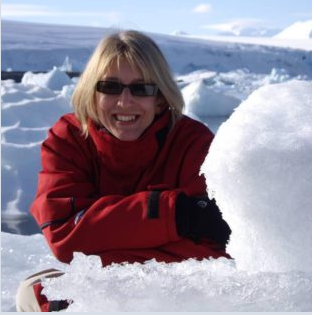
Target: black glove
198,218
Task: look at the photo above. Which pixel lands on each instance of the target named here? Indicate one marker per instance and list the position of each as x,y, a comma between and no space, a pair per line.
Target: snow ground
210,285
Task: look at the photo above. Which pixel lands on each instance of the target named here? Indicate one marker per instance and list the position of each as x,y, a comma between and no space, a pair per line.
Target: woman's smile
126,116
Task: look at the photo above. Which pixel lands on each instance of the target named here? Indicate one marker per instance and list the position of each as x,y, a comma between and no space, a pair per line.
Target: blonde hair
142,53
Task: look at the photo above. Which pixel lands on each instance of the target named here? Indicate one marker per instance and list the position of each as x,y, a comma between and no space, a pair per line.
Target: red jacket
116,199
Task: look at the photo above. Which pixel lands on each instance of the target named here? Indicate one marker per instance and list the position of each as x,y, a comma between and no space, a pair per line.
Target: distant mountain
179,32
250,31
298,30
243,27
41,47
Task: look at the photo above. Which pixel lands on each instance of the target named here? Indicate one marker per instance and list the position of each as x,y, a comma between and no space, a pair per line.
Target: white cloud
18,10
202,8
27,10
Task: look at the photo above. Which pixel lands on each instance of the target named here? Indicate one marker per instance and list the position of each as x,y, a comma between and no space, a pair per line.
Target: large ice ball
259,169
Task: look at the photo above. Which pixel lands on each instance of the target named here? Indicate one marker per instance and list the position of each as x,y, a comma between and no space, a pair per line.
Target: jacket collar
134,154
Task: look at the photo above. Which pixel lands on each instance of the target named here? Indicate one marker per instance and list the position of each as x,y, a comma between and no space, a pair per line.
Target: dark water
21,224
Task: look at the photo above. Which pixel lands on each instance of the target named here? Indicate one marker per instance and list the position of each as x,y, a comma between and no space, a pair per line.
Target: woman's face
125,116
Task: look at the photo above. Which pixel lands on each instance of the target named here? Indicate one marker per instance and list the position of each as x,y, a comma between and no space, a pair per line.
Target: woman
120,176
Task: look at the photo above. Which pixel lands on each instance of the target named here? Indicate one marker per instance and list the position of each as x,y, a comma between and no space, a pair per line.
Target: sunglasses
136,89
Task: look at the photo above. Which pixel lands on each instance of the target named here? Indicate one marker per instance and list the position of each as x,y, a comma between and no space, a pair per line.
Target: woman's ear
160,105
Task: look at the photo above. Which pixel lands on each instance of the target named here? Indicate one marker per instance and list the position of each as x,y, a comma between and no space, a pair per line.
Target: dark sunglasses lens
116,88
143,89
109,87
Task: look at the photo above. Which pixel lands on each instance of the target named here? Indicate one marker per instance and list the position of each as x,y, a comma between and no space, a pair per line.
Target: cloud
202,8
28,10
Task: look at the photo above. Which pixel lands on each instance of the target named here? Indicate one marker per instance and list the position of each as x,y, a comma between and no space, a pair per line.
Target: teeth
125,118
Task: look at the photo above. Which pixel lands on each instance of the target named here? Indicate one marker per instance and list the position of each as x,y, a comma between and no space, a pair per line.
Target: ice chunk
202,100
54,79
259,169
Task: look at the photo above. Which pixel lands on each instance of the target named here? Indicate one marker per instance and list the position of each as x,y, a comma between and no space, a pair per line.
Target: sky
162,16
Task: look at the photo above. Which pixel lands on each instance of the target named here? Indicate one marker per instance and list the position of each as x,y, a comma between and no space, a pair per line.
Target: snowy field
256,98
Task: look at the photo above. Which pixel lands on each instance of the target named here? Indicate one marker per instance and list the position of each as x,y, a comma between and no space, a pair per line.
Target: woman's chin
127,136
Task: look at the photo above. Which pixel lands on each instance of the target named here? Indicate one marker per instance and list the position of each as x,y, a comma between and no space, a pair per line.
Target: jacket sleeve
74,218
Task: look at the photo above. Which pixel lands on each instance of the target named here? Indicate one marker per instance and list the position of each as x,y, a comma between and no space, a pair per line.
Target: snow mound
259,169
53,80
27,112
204,101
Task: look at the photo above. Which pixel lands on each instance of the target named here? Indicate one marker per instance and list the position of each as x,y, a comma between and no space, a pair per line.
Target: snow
256,28
257,99
294,42
298,30
204,101
243,27
21,256
53,80
208,285
72,46
28,110
259,170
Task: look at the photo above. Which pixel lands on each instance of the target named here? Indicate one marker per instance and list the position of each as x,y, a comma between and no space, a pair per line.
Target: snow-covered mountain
249,31
298,30
27,46
243,27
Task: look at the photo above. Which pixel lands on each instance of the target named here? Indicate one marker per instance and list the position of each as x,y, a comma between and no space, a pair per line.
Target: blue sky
161,16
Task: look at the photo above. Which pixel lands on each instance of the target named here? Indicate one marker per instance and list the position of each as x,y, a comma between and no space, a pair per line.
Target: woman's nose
125,97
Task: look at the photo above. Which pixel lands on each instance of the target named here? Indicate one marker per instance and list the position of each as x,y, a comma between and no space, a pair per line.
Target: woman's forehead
121,64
